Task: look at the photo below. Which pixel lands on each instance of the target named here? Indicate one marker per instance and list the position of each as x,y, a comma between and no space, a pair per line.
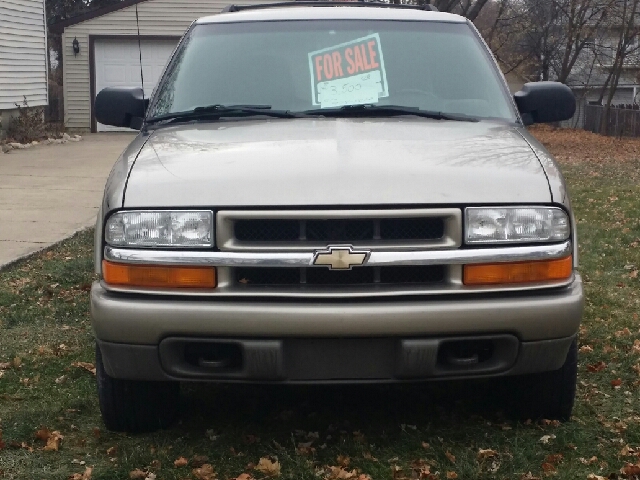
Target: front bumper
140,335
146,320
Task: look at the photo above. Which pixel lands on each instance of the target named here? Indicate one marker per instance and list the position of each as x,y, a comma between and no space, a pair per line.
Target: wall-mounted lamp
76,46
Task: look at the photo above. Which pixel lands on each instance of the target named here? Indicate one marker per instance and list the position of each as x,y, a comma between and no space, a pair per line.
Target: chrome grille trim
226,241
305,259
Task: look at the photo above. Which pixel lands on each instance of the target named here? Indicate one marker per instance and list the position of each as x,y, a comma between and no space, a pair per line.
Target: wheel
135,406
547,395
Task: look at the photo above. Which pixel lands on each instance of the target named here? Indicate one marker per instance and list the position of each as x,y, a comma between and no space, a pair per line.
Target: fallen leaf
626,451
137,474
368,456
86,475
53,442
112,451
616,383
590,461
339,473
452,475
425,445
547,438
586,349
548,468
488,453
269,467
529,476
205,472
244,476
630,469
593,476
343,460
596,367
89,367
180,462
554,459
305,448
450,456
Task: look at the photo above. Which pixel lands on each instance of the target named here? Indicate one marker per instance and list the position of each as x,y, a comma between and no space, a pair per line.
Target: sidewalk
48,192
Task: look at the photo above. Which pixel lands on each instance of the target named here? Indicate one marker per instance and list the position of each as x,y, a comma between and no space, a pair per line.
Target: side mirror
121,107
543,102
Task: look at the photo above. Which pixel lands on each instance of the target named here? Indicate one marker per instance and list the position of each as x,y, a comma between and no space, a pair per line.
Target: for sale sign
351,73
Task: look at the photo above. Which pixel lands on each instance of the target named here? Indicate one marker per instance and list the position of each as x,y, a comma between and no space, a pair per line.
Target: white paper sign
351,73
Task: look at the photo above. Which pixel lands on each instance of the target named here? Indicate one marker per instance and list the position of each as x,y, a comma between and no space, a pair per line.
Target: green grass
44,322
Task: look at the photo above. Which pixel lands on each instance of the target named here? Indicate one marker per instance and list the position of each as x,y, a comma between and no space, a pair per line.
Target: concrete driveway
48,192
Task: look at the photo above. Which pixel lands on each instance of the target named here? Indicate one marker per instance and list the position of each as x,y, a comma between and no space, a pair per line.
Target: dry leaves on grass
137,474
86,475
579,146
269,467
205,472
450,456
89,367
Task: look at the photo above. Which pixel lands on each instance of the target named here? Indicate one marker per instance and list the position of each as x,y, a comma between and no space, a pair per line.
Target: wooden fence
621,121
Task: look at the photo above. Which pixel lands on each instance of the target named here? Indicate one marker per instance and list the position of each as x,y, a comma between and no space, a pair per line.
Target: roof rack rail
324,3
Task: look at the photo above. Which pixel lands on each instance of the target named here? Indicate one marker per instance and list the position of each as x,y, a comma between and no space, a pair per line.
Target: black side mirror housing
544,102
121,107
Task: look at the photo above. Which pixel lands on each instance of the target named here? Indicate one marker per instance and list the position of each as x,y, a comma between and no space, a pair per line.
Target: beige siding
157,17
23,53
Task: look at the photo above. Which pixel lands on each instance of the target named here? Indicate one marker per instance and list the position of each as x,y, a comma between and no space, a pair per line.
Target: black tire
135,406
547,395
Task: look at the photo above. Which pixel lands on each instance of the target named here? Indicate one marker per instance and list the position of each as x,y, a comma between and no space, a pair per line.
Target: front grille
418,275
339,230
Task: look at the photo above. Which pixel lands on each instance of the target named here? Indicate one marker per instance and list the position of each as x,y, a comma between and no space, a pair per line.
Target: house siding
157,18
23,53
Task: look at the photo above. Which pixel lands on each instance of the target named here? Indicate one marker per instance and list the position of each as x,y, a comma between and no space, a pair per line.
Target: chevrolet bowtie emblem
340,258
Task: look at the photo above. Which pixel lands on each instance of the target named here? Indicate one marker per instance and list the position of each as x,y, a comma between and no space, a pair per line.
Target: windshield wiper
221,111
374,110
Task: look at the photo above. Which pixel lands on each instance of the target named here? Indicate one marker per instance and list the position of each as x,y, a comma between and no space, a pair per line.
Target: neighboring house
23,56
589,75
107,51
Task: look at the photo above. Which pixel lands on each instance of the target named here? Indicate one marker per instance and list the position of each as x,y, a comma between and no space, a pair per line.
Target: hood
325,162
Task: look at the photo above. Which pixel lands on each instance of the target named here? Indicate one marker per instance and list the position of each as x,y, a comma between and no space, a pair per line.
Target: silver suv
333,194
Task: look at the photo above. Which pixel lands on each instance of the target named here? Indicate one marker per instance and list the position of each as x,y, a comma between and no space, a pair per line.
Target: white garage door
117,64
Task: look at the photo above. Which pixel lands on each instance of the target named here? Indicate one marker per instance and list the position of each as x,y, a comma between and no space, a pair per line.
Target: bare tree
623,21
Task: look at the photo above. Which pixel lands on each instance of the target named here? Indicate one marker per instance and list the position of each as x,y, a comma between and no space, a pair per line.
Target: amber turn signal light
520,272
157,276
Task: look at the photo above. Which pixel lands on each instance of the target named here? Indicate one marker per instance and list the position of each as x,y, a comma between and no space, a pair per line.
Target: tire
135,406
547,395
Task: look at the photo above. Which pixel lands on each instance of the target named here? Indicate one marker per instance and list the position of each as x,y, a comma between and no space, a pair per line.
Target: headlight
516,225
160,229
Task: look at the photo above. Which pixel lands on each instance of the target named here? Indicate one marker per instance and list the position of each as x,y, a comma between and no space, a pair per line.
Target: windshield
313,65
